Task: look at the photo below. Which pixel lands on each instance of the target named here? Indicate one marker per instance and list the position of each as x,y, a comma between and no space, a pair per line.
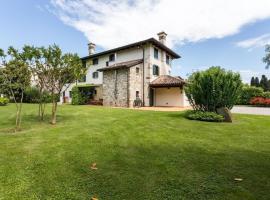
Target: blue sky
208,34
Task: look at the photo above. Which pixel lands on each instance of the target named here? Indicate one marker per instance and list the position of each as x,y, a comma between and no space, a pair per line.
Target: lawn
139,154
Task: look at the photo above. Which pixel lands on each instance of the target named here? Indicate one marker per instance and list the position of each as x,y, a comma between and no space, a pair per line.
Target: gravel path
251,110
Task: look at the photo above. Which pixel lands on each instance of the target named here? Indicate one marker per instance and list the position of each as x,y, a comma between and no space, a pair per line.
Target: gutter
143,76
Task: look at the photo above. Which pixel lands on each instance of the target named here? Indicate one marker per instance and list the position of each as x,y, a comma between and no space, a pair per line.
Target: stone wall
135,83
115,88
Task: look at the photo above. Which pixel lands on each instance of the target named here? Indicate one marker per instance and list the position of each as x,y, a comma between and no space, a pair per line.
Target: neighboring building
136,71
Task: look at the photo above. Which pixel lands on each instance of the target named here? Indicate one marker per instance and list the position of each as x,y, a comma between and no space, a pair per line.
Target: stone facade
135,83
121,86
115,87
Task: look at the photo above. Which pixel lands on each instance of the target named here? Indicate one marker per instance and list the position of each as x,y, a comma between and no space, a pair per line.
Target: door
151,97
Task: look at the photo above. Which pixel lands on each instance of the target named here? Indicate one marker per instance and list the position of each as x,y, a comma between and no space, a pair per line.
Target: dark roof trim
150,40
122,65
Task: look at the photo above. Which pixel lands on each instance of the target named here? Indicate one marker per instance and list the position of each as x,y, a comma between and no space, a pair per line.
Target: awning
122,65
167,81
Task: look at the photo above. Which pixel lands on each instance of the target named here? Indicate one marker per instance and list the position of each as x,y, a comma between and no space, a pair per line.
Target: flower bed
260,101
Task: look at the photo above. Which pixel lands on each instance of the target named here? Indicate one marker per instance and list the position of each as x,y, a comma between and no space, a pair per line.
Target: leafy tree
266,58
252,81
60,71
264,83
15,78
257,82
213,88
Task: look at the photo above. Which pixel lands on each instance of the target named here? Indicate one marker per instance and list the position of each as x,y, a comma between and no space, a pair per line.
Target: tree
15,78
213,88
60,71
264,83
257,82
266,58
252,81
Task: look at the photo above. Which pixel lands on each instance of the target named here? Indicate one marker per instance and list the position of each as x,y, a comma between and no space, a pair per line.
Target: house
141,70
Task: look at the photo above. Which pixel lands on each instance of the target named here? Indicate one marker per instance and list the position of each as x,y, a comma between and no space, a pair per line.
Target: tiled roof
136,44
122,65
167,81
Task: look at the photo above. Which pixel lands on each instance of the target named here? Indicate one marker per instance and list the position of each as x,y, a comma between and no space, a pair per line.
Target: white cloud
255,42
111,23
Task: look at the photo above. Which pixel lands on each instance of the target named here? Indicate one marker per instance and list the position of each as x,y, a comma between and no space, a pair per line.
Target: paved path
251,110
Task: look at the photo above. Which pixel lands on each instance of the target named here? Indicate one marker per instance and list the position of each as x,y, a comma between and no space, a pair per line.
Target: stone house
139,70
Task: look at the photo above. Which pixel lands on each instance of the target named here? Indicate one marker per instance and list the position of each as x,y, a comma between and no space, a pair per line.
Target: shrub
77,97
260,101
204,116
213,88
266,95
3,101
32,95
247,93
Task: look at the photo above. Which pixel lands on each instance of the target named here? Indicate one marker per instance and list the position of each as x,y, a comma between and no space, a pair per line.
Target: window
155,70
167,59
107,63
137,70
95,91
95,61
156,53
137,94
82,79
112,57
95,75
70,94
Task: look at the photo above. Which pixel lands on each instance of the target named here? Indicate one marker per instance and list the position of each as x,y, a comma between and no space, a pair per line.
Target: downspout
128,87
143,76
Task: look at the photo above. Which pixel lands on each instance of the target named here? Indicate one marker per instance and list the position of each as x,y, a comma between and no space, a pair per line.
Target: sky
227,33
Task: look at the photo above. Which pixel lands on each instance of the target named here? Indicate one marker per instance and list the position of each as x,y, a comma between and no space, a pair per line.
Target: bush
77,97
247,93
266,95
32,95
213,88
260,101
3,101
204,116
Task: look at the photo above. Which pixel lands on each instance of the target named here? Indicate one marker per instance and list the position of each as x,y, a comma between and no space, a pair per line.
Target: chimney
91,48
162,37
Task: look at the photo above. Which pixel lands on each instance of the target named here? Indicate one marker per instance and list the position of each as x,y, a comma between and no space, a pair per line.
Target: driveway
251,110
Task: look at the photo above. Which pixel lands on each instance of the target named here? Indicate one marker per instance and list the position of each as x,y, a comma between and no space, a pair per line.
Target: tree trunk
54,109
18,115
42,111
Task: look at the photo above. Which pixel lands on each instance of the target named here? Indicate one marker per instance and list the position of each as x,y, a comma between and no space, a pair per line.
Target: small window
137,94
95,91
112,57
156,53
95,75
168,59
82,79
95,61
155,70
137,70
70,94
107,63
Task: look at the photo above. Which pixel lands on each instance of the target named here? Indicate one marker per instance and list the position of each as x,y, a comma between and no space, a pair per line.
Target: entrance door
151,97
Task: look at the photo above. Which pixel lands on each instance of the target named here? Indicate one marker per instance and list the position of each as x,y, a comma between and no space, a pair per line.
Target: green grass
139,155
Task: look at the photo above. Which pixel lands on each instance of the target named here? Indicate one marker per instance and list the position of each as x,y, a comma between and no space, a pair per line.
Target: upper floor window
167,59
137,70
82,79
95,75
155,70
156,53
95,61
112,57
